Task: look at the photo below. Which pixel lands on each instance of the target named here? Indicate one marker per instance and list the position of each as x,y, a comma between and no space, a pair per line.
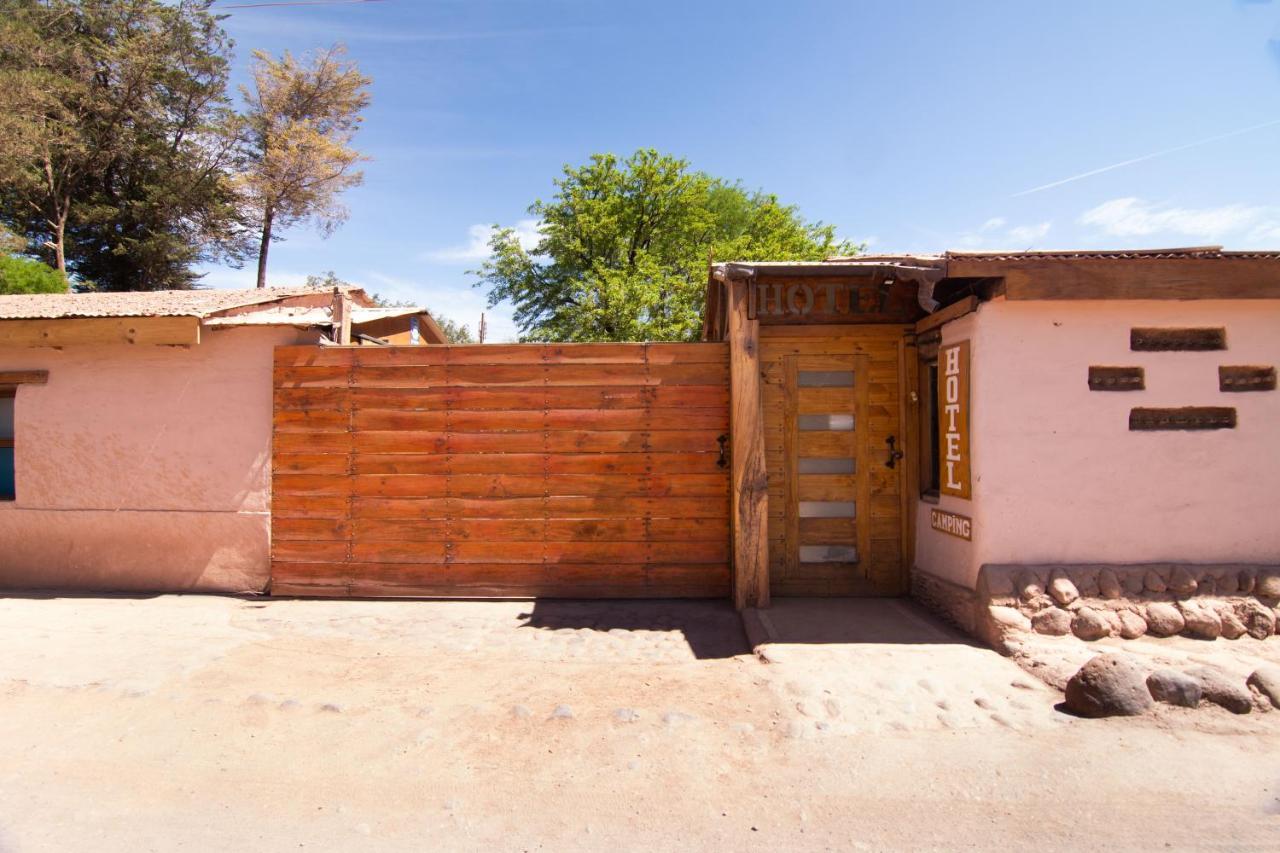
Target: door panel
835,518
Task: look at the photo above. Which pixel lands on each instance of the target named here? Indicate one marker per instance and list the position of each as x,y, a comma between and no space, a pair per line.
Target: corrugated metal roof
159,303
1214,252
303,316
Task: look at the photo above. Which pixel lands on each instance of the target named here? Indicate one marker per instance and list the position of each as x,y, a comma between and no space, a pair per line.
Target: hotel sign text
864,300
953,420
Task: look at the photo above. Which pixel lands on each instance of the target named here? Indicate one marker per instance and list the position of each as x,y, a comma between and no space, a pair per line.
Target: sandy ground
205,723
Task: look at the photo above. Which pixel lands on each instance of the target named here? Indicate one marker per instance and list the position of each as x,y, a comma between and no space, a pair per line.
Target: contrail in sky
1150,156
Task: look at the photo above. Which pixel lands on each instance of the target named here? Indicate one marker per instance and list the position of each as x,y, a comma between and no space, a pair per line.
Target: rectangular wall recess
1246,377
1116,379
1177,340
1185,418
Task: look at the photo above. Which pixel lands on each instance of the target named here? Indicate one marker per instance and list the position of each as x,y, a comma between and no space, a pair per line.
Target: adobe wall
143,468
1060,480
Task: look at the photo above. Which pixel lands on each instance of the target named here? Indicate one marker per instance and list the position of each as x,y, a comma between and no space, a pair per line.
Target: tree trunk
60,247
265,246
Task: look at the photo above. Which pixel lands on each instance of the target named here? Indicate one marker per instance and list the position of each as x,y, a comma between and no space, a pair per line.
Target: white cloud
993,235
1029,233
477,246
1134,217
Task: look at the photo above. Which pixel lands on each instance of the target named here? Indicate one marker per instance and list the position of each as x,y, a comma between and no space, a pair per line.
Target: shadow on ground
857,621
711,628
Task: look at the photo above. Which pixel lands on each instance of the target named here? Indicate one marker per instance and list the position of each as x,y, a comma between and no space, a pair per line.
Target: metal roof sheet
158,303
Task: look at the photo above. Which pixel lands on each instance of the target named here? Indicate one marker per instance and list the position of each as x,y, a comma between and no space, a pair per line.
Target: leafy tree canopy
116,148
625,244
25,275
302,118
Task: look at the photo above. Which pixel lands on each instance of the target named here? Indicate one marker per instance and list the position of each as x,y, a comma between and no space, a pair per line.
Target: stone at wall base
1206,602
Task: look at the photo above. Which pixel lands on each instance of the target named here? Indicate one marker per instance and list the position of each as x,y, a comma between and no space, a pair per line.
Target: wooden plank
909,475
750,498
1177,340
334,442
1184,418
311,420
320,529
864,459
308,506
555,506
524,421
101,331
1128,278
310,463
24,377
954,311
1116,378
1246,377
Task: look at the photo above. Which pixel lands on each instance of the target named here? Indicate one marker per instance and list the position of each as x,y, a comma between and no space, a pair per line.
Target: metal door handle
723,461
894,453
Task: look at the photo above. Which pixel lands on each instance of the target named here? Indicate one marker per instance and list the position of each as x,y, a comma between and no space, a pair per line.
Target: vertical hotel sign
953,400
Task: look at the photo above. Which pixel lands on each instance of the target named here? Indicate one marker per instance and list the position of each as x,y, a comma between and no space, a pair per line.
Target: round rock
1232,627
1109,584
1181,581
1221,689
1268,585
1089,624
1199,621
1174,688
1132,626
1259,621
1053,621
1266,680
1163,620
1246,579
1153,581
1109,686
1063,591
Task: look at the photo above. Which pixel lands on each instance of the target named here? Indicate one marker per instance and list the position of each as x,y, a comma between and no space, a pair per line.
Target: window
930,426
7,398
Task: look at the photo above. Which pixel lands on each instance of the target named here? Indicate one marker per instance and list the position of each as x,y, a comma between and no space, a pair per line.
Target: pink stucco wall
143,468
1058,476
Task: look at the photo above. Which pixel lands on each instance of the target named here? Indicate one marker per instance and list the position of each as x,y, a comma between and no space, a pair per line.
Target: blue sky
912,126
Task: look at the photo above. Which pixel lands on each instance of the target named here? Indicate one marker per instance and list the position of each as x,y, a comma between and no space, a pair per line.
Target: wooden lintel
946,315
1127,278
24,377
77,331
750,490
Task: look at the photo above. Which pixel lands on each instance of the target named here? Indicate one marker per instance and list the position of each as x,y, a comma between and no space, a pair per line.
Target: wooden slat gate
573,470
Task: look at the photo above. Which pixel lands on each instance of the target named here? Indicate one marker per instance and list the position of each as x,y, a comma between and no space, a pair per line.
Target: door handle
894,453
723,461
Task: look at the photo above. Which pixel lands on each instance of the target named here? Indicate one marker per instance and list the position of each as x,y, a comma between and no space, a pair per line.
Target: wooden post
341,317
750,509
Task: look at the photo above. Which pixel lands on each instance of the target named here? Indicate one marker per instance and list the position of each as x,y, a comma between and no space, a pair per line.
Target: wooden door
836,515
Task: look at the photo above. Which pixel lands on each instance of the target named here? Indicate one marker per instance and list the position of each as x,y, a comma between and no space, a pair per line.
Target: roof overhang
78,331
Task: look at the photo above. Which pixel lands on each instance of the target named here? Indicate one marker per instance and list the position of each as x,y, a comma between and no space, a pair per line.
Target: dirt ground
206,723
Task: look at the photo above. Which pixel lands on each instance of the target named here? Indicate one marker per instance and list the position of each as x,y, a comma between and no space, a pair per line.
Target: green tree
624,248
25,275
302,118
115,161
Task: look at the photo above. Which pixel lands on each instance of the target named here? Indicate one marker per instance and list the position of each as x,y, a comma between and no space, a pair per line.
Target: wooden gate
571,470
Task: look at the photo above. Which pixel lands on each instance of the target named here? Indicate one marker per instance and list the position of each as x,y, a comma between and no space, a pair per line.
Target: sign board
951,524
953,420
864,299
